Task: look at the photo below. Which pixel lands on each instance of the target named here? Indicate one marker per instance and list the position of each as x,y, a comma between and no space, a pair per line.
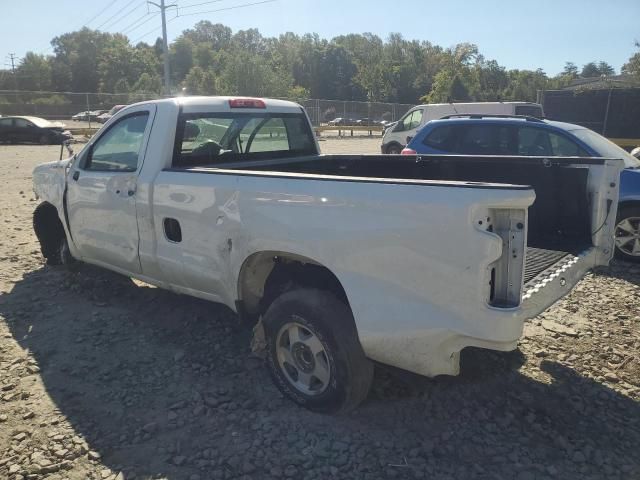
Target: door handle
76,175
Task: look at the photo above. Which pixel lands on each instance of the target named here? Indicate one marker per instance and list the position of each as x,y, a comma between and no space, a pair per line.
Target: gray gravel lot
105,378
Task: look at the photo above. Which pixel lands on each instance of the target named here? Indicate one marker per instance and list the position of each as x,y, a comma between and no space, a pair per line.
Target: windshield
605,147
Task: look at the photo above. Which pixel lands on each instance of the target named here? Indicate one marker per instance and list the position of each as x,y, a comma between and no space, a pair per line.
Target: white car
398,135
341,260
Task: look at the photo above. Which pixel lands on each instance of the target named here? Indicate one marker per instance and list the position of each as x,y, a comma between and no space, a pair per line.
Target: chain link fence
62,106
322,112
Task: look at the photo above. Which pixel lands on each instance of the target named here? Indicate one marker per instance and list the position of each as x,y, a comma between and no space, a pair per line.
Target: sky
518,34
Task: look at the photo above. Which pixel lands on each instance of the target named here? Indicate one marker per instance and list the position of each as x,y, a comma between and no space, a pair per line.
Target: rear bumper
432,352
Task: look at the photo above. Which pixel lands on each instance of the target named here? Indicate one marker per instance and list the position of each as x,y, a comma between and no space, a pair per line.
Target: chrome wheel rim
628,236
303,359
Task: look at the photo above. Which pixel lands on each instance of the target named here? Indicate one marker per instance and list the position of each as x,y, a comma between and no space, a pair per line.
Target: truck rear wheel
313,352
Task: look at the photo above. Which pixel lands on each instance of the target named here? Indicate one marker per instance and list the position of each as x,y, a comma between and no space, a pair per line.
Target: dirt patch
105,378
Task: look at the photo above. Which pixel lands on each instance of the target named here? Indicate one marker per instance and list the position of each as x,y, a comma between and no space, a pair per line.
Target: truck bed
559,220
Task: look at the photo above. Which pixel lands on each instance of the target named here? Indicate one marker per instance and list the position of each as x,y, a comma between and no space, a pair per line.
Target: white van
396,137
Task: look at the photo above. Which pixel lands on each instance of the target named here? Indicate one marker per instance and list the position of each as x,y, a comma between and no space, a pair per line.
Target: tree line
210,59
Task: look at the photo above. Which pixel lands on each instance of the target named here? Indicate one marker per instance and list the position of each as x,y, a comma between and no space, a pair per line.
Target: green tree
200,82
119,61
367,52
593,69
181,58
245,73
217,36
570,70
34,72
632,67
524,85
590,70
487,80
77,55
148,83
605,68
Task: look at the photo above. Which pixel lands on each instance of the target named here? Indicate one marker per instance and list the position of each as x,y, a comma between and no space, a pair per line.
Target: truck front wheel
62,254
314,355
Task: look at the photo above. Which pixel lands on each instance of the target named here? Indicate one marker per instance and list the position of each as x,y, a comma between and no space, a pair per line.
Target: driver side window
118,150
411,121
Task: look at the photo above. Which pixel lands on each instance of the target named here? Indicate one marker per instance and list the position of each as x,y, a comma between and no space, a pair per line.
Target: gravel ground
105,378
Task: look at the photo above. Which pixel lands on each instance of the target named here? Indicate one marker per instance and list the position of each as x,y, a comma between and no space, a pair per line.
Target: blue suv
513,135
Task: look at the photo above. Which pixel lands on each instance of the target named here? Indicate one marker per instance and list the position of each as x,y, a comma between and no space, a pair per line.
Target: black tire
331,321
61,255
394,150
631,212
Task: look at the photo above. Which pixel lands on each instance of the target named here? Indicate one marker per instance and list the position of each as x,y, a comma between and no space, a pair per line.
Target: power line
50,47
139,24
97,14
155,29
124,15
115,14
135,22
224,9
182,7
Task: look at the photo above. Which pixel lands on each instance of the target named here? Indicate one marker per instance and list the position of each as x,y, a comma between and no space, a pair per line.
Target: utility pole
165,44
12,56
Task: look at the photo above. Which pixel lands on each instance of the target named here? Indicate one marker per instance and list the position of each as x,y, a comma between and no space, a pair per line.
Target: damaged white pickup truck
343,259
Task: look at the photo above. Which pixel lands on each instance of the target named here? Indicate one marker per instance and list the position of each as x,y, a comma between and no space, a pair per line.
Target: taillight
408,151
247,103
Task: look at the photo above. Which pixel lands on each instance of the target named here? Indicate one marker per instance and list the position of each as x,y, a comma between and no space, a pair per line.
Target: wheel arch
48,228
265,275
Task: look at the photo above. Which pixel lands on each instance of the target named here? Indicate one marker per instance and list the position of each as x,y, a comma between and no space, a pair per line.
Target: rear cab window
214,138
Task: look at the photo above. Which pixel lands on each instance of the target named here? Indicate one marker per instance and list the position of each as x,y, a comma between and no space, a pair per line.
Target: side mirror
409,138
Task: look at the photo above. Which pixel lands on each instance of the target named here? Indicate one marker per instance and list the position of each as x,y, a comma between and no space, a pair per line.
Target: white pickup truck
341,260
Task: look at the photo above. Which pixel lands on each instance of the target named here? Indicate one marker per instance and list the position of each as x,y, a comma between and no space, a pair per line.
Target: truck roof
202,104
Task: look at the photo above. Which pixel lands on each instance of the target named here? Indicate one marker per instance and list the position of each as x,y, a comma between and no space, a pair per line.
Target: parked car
342,122
32,130
364,122
395,139
484,135
339,259
104,118
387,124
88,115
